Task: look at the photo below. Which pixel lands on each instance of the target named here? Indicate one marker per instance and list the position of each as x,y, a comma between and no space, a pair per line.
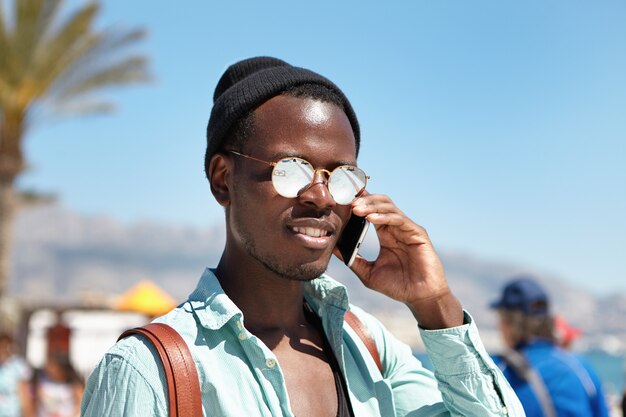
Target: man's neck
269,302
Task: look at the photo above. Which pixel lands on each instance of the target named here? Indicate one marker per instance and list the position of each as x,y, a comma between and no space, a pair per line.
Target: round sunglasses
291,176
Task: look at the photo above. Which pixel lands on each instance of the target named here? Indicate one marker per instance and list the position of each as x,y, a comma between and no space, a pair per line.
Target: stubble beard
274,263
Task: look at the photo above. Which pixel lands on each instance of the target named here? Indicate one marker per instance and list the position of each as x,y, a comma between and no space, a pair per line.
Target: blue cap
523,294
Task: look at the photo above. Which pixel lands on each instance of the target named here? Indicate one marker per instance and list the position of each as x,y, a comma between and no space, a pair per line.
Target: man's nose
317,193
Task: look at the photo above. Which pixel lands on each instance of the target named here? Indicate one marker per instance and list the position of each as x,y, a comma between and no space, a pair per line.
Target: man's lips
312,227
313,233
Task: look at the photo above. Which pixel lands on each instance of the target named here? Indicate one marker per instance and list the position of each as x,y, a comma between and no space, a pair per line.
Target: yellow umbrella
147,298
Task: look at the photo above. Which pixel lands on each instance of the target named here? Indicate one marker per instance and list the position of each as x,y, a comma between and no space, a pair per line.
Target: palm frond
33,19
4,43
93,56
111,42
51,61
79,107
60,45
72,30
48,16
130,70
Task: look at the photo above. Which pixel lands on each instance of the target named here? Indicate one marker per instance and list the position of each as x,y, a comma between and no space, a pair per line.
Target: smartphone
351,238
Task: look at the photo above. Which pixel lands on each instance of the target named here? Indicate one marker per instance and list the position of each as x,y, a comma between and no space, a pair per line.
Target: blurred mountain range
60,256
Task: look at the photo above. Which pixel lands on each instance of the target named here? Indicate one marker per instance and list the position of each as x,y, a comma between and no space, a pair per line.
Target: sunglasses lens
346,182
290,175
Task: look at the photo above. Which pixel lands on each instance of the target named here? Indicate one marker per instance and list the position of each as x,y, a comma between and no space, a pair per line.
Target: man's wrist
440,312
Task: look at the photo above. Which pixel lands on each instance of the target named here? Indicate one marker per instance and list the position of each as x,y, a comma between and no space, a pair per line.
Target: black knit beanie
247,84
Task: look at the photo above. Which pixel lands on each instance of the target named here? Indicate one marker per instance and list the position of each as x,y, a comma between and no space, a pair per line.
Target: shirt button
239,325
270,363
243,336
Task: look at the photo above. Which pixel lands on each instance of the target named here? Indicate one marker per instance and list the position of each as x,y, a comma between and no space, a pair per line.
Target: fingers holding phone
351,238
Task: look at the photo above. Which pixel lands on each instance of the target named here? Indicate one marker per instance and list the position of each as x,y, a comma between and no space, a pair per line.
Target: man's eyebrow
339,163
336,164
282,155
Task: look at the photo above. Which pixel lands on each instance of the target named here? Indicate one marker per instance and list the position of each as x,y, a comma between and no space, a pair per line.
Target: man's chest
309,381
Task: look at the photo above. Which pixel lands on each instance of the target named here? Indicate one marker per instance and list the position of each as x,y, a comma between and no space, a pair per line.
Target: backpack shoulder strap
183,385
364,334
518,362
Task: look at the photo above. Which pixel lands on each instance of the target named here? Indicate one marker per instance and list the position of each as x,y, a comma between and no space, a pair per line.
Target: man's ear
220,174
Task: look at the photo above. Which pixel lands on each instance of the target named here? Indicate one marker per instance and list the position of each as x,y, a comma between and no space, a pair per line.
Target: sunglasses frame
315,171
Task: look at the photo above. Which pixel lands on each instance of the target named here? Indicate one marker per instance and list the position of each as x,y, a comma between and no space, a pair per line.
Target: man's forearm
469,381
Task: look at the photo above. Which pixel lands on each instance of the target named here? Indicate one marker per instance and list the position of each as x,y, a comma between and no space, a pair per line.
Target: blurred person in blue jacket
549,381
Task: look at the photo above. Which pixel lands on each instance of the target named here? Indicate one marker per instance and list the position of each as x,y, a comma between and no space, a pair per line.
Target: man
266,327
549,381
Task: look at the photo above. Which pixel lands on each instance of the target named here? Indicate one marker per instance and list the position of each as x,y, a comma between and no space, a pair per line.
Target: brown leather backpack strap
364,334
183,385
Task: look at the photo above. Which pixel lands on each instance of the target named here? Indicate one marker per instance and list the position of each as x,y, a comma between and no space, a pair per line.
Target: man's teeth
310,231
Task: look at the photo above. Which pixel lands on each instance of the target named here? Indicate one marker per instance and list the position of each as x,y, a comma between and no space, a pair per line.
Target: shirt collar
210,304
325,292
214,308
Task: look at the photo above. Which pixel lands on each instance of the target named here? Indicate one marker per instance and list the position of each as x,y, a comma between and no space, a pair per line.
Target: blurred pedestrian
549,381
57,388
14,376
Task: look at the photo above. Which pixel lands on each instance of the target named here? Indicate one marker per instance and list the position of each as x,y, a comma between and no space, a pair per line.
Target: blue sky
499,126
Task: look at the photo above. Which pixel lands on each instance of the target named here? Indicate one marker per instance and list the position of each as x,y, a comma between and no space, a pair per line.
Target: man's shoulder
131,362
134,351
139,353
555,364
126,381
182,320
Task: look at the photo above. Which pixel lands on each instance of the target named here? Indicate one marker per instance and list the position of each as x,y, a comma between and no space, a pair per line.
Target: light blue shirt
13,373
240,376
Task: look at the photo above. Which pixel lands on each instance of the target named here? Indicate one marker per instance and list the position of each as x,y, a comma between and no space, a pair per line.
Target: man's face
293,237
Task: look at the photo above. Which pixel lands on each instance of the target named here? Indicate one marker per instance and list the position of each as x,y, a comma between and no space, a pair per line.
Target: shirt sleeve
126,384
466,382
469,381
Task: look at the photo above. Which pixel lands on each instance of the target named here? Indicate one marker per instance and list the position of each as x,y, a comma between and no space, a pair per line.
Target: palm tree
50,61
